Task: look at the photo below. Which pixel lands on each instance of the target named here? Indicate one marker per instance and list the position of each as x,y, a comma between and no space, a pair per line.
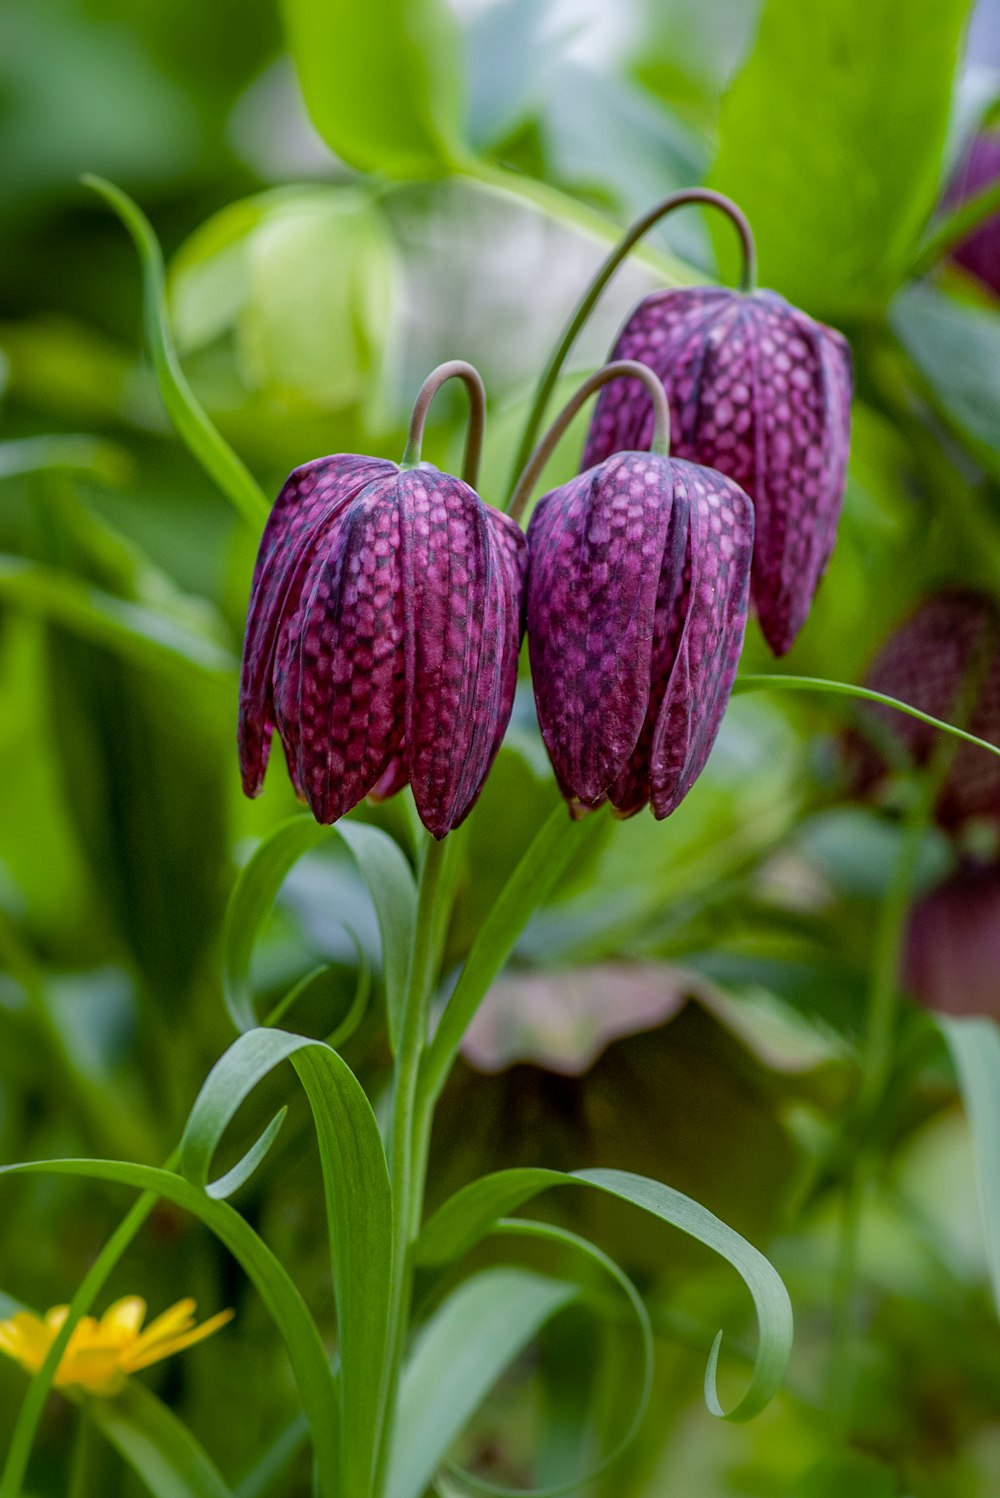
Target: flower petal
312,496
595,547
720,546
121,1321
144,1357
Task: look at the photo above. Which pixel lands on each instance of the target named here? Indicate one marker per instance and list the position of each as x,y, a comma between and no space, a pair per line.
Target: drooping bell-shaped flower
978,252
638,588
945,660
382,637
762,393
951,959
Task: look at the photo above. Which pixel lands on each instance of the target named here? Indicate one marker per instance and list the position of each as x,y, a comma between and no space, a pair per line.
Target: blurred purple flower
979,253
949,645
761,392
382,638
952,957
637,602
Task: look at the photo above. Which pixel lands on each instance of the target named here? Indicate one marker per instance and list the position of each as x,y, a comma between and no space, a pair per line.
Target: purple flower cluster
388,603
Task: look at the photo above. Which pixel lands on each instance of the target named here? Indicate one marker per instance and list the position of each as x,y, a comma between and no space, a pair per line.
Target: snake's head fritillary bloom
637,604
952,952
101,1354
945,660
979,252
382,637
762,393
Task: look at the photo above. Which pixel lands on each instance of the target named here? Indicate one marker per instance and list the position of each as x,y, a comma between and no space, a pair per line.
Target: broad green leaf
544,860
358,1202
381,81
317,1384
471,1213
831,139
202,437
974,1043
956,347
852,1472
157,1446
131,629
457,1358
384,869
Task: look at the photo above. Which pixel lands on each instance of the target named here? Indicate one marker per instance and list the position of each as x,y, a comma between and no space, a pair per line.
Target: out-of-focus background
689,1003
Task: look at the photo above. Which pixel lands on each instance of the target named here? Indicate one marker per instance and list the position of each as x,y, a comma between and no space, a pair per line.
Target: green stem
588,301
619,370
955,227
407,1165
454,369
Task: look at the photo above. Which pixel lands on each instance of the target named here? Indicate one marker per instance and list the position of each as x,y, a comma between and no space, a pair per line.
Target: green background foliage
347,194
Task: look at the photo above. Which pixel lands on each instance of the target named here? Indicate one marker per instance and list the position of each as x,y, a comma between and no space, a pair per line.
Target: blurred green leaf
975,1050
382,81
457,1358
956,347
831,139
466,1217
88,456
861,1476
157,1446
359,1211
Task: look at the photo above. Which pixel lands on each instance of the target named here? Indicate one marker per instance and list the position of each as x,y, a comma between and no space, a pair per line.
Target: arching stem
454,369
618,370
588,301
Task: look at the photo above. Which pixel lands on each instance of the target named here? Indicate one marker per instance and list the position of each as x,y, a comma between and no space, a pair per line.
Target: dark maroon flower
382,637
947,651
952,957
762,393
637,601
979,253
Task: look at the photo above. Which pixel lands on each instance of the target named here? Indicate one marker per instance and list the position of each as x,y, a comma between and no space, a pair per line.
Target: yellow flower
101,1354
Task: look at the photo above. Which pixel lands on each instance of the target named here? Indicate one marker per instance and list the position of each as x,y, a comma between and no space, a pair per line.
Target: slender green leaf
839,199
202,437
157,1446
763,683
265,1473
137,633
358,1201
458,1357
384,869
317,1384
472,1212
546,857
974,1043
381,80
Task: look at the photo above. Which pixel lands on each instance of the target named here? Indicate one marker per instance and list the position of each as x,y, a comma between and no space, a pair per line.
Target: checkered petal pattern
979,252
762,393
638,588
382,638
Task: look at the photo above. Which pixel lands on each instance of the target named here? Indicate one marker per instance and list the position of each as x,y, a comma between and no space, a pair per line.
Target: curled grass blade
192,424
472,1213
383,867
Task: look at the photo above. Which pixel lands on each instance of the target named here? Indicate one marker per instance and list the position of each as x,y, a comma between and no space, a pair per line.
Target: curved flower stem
588,301
620,369
454,369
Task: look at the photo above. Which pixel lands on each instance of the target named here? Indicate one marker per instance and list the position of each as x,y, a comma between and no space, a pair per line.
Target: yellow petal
176,1319
30,1339
95,1369
121,1322
56,1317
138,1356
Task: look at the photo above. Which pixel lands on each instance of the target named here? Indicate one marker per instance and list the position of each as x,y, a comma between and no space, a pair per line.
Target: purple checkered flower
979,252
382,638
762,393
638,586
